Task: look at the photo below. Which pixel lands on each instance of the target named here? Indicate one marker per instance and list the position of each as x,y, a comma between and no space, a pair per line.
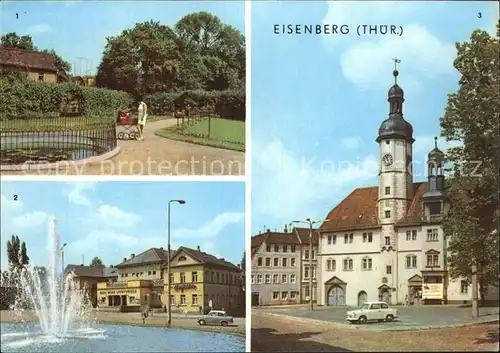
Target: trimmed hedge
21,97
229,104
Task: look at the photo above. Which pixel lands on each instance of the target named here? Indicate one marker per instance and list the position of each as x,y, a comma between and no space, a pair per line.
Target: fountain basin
17,337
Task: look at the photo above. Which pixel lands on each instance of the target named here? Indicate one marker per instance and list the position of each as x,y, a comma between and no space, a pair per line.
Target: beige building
200,282
39,67
140,282
87,277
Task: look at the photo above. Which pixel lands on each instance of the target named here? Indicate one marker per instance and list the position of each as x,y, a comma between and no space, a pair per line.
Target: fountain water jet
57,301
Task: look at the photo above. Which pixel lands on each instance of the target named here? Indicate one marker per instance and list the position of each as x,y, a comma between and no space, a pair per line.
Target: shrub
21,97
229,104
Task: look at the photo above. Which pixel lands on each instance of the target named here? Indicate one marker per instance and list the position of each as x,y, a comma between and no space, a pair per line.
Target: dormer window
435,208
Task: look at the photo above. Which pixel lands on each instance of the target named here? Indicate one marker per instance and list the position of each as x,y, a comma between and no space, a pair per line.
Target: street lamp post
311,222
169,322
62,257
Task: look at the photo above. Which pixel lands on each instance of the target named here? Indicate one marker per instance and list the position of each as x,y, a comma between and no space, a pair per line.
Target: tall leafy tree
13,40
97,262
472,117
198,53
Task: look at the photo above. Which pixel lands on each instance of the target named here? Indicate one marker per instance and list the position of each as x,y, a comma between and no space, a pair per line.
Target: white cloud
114,217
211,228
297,183
30,220
103,239
77,194
39,29
368,63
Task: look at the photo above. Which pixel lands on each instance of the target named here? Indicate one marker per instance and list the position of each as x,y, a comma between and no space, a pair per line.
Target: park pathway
157,155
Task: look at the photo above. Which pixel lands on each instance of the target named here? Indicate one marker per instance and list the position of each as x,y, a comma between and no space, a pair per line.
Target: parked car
216,317
372,311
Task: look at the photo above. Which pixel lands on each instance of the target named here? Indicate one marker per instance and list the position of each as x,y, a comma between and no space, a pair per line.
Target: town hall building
386,242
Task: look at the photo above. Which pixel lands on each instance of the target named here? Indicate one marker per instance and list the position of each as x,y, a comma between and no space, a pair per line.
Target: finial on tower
435,142
396,72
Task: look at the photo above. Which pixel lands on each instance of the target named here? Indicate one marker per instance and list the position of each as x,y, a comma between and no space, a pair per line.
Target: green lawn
221,129
224,133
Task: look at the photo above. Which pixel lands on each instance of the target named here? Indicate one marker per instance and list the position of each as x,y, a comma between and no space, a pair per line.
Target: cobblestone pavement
280,333
410,317
156,155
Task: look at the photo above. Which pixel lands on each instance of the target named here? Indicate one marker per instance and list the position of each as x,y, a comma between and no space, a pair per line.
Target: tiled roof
414,213
303,234
27,59
269,237
359,210
153,255
87,271
205,258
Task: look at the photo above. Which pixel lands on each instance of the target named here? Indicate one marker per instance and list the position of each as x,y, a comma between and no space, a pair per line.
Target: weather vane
396,73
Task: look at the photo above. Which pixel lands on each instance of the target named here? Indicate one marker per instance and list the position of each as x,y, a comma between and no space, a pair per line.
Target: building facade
87,278
386,242
309,265
39,67
139,282
276,268
200,282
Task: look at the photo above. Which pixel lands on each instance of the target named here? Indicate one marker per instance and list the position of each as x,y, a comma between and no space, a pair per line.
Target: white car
372,311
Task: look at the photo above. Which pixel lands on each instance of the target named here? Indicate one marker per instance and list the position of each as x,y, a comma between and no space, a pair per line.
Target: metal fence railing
54,139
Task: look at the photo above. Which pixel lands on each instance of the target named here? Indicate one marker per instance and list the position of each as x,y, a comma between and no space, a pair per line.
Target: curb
66,164
354,327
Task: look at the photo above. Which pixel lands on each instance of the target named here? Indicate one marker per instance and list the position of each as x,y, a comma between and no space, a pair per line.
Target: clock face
387,159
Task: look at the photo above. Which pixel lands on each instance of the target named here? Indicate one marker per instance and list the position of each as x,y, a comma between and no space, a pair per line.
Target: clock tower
395,139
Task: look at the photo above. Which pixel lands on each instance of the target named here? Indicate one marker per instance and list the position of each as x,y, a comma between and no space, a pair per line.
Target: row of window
276,262
276,248
292,295
276,279
367,263
213,277
138,274
432,235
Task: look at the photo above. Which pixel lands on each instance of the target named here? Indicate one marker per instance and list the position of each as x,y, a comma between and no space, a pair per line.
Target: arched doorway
385,296
362,298
336,296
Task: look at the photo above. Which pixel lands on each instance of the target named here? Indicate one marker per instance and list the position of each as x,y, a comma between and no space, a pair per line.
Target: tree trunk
475,308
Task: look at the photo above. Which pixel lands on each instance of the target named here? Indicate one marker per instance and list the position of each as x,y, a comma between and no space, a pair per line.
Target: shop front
433,291
187,297
128,296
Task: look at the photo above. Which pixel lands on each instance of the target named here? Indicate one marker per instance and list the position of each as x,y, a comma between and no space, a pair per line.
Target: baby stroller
129,124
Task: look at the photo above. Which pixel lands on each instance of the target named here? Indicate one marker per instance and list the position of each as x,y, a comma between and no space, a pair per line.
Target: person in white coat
143,115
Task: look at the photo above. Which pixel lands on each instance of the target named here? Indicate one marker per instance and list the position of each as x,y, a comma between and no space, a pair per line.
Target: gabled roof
27,59
150,256
304,233
359,210
414,214
87,271
205,259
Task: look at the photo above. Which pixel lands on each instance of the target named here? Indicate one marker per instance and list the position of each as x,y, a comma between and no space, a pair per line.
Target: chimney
239,266
124,259
198,247
286,229
161,248
268,230
260,232
132,256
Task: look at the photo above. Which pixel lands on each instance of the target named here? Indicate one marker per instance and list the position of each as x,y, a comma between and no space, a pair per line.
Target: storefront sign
184,286
118,291
432,291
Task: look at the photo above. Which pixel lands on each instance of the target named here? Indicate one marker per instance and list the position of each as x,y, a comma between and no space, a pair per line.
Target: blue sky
114,219
79,28
318,101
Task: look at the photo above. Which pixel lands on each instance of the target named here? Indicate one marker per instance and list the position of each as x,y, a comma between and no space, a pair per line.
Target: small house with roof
87,278
386,242
39,67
